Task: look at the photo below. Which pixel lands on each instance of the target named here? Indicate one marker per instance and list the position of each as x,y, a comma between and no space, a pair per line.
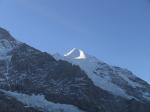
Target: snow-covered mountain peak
76,54
115,80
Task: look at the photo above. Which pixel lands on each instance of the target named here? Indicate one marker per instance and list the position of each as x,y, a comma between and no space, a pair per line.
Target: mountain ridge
103,74
29,72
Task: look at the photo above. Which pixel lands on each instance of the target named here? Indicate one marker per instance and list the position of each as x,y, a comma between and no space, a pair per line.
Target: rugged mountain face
28,71
7,42
116,80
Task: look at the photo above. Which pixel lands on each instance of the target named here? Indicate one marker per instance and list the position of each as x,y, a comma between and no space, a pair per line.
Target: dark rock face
4,34
32,71
29,70
133,105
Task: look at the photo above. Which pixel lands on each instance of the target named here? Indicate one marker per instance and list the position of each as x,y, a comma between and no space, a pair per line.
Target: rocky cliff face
26,70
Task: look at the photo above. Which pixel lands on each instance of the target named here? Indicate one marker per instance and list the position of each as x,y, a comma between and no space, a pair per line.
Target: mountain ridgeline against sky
35,81
115,80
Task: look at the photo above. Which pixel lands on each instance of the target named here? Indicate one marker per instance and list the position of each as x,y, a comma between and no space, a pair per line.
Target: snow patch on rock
146,96
39,102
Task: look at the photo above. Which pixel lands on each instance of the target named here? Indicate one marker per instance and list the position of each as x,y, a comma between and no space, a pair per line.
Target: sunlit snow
76,54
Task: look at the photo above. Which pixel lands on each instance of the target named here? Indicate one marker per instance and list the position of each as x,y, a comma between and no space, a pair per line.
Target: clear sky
115,31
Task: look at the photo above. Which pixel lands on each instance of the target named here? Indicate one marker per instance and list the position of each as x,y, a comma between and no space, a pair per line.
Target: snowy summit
75,54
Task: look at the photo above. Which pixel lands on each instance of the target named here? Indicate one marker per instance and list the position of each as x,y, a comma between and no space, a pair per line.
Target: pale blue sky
115,31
